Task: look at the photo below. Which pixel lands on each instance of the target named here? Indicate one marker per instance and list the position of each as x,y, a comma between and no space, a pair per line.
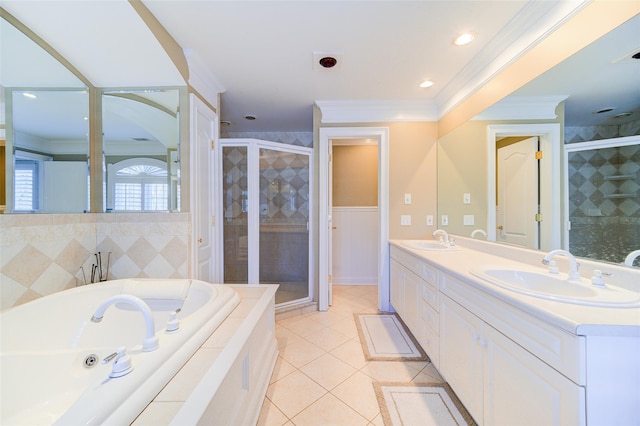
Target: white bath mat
420,405
385,338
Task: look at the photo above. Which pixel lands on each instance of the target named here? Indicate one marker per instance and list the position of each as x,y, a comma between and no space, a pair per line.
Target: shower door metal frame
253,222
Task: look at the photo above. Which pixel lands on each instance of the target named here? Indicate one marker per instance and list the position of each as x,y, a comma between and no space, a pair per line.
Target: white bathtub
44,344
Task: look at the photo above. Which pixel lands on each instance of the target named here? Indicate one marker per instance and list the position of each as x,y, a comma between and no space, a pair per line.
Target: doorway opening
328,135
354,209
267,216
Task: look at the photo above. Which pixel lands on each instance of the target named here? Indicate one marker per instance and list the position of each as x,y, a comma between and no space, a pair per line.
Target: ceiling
261,53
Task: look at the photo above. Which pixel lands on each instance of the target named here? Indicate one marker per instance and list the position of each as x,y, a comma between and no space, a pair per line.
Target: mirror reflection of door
518,191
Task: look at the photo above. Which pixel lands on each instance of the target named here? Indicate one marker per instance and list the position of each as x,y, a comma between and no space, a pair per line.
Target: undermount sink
544,285
431,245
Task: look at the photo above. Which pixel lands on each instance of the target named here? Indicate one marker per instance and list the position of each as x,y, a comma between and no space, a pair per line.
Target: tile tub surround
41,254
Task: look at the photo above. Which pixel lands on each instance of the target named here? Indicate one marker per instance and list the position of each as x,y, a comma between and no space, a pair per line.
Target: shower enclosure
603,192
267,216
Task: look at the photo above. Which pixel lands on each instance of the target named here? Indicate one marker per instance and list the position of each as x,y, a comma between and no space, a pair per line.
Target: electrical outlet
405,220
466,198
444,220
407,198
429,220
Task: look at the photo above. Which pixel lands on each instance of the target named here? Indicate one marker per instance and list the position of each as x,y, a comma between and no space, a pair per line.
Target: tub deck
225,381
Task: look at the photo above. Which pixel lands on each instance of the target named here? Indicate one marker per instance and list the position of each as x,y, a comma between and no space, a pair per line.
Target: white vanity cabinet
414,295
498,381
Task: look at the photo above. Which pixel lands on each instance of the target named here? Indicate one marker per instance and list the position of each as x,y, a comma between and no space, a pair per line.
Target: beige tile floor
321,376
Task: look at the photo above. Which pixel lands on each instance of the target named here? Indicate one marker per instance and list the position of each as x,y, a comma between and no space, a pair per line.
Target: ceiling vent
327,61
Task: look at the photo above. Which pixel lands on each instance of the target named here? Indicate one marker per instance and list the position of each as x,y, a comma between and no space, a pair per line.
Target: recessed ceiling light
29,95
623,114
465,38
225,123
426,83
250,117
603,110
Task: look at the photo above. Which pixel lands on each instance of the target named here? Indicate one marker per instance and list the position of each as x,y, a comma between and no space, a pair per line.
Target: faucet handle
122,365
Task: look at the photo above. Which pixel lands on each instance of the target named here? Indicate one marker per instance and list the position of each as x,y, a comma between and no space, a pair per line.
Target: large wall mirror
45,118
45,129
141,150
592,96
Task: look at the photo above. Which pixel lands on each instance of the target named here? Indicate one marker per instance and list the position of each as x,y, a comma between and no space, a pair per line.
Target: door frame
327,134
550,183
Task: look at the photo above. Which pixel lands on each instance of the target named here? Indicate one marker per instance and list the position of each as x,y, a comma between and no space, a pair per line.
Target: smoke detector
327,61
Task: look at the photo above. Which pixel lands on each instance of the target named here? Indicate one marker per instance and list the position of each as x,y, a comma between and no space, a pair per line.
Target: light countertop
574,318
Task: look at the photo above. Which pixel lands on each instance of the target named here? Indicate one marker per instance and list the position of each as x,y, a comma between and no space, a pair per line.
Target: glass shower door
266,212
284,218
235,212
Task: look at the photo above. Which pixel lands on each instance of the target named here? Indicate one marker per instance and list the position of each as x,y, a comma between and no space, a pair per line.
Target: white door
203,136
517,207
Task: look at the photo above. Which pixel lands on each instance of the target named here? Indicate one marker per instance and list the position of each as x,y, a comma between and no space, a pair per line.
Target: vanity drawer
429,274
558,348
430,342
430,295
430,316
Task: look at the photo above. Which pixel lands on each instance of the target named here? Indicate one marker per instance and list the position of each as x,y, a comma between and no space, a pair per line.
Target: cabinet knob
501,227
200,240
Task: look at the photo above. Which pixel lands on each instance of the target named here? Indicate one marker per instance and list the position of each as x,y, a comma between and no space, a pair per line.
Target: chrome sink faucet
631,257
151,340
441,232
574,265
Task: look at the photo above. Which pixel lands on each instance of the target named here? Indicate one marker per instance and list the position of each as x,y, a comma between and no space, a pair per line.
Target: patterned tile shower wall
284,187
594,133
44,253
604,202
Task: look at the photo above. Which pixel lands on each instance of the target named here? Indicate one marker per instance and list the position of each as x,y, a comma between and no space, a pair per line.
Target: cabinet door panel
522,390
411,315
461,355
397,273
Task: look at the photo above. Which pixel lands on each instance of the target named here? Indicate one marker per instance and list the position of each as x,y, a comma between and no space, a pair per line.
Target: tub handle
109,357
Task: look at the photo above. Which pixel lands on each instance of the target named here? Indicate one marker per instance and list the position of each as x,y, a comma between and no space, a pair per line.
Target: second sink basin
430,245
557,287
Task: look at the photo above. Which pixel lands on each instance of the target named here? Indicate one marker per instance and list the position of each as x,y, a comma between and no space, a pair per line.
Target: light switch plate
468,219
444,220
407,198
429,220
466,198
405,220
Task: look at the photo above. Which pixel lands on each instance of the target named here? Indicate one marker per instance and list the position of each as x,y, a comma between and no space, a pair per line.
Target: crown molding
203,80
535,21
377,111
523,108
